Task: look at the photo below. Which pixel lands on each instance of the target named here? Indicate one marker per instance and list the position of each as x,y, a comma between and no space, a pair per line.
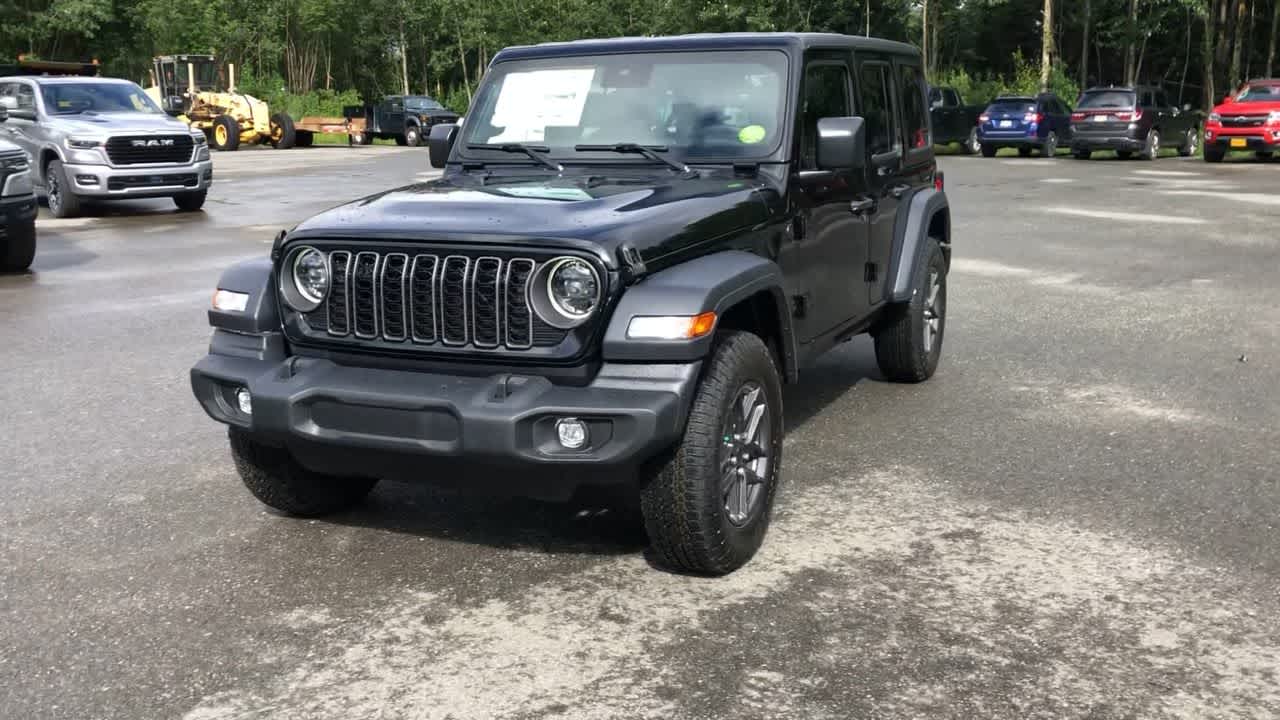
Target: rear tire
226,134
63,201
989,152
190,201
283,134
1190,144
278,481
707,505
18,250
1151,150
1214,154
1050,147
972,145
909,341
1024,152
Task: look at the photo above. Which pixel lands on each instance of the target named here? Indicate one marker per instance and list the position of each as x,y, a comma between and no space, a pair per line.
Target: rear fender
928,213
715,282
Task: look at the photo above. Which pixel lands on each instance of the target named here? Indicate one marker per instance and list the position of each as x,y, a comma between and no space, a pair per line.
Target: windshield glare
1260,93
1107,99
75,98
704,104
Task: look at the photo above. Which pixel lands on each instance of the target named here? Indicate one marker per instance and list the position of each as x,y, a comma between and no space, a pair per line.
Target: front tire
190,201
280,482
707,505
1050,147
413,136
1151,150
226,134
909,341
18,250
63,201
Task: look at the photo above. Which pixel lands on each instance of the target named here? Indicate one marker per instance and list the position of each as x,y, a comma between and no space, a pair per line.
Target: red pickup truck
1248,120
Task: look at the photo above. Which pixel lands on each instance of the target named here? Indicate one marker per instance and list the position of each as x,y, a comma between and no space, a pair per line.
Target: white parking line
1250,198
1057,181
1166,173
1126,216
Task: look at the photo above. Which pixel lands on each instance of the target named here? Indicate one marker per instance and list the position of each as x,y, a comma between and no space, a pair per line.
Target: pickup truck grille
1243,121
431,299
140,149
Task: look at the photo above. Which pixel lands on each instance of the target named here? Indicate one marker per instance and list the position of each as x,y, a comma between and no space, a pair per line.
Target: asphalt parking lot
1076,518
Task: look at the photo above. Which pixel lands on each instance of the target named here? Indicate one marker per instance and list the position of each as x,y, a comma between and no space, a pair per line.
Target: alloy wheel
54,190
975,145
1153,145
1051,145
744,455
932,312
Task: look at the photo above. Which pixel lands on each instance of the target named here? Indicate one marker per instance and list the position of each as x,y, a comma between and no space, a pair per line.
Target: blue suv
1039,123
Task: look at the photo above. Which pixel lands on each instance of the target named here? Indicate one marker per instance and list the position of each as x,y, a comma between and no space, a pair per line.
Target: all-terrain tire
902,350
682,494
226,134
283,134
278,481
190,201
60,192
18,249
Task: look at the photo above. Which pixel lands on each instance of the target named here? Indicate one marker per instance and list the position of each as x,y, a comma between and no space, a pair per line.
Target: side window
826,94
915,119
26,96
951,97
936,98
1161,99
1145,100
877,108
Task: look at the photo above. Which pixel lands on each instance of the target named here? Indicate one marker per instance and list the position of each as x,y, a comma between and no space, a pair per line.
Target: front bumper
141,181
17,212
375,422
1255,140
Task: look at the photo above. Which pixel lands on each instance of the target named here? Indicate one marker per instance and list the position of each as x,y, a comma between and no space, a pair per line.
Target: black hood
658,214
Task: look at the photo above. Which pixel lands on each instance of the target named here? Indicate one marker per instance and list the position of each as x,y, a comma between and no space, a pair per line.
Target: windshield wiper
535,152
650,152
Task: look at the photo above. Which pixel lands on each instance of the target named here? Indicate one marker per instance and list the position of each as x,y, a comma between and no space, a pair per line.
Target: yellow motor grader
187,87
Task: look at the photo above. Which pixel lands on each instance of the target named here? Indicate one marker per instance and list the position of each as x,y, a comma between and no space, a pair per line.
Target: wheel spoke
748,402
753,424
744,494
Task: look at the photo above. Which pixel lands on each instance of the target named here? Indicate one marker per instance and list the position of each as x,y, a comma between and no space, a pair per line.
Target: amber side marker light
671,327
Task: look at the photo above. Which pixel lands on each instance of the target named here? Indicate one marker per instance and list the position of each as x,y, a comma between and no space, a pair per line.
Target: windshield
1260,93
422,103
75,98
703,104
1106,99
1015,107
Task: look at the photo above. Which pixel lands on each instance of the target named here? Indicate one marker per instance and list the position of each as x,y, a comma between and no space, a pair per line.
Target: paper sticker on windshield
752,134
531,101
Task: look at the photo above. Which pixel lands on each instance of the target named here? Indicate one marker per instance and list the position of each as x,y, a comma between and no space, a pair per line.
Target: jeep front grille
431,299
142,149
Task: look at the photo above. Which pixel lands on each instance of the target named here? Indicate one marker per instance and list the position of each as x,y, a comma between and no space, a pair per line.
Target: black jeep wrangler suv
634,244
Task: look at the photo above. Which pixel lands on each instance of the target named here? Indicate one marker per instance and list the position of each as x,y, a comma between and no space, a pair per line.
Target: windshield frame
1269,89
777,153
52,112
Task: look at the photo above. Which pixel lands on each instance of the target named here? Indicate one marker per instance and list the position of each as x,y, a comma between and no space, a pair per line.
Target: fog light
245,401
87,179
572,433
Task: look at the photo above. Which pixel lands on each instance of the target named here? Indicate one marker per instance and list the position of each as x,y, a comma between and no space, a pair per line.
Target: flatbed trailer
308,127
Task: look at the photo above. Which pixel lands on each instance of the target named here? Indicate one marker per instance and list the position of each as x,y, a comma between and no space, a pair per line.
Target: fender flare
41,165
715,282
261,314
919,217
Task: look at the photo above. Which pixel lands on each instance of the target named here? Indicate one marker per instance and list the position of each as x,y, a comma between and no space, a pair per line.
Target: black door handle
862,206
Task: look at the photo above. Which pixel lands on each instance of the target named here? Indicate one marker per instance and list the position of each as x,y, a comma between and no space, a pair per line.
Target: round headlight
566,291
304,281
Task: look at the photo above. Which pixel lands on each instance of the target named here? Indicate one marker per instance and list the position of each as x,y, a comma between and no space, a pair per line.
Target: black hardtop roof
704,41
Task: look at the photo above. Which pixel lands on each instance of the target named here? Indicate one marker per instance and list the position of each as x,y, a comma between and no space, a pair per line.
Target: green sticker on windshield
751,134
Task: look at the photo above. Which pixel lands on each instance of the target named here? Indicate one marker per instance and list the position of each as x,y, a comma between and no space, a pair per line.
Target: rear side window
952,97
1148,99
1161,99
1105,99
826,94
877,108
915,119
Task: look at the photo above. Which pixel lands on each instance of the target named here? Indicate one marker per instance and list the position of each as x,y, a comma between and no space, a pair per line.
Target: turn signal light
228,301
671,327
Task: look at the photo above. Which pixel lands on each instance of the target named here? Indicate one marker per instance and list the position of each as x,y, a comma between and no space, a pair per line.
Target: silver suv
103,139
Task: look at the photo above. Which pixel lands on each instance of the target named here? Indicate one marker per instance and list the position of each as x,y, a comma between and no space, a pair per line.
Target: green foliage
271,88
1024,80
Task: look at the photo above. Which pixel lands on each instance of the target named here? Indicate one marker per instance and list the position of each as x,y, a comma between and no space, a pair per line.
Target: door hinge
869,272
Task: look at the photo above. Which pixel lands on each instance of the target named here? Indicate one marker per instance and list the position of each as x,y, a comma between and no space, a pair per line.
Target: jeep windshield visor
697,104
105,97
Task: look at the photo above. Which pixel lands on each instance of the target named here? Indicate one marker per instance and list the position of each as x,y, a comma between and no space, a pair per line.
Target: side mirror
440,143
842,143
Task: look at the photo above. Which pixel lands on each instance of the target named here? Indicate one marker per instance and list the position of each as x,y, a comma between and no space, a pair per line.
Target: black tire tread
190,201
69,206
278,481
18,249
899,351
681,513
